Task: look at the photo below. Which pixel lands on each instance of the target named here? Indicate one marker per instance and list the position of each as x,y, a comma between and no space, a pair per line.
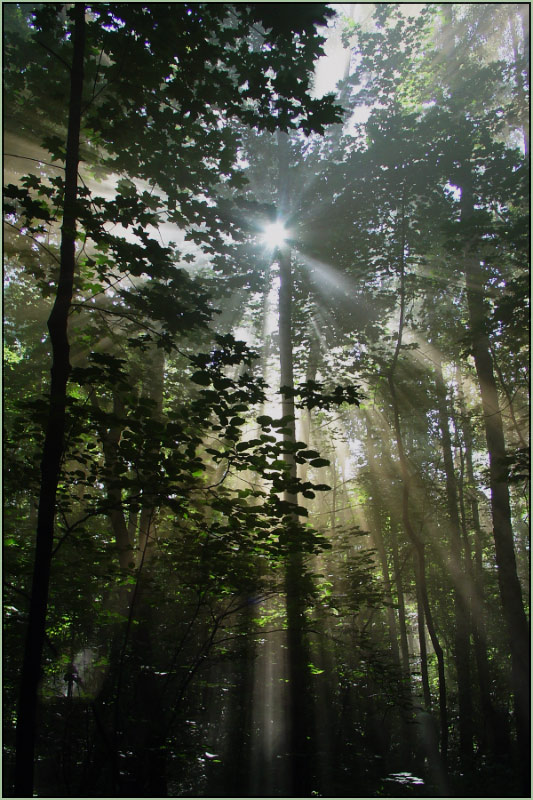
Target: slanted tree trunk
55,431
509,584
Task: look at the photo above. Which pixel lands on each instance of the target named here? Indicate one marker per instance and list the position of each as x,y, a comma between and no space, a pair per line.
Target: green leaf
201,378
319,462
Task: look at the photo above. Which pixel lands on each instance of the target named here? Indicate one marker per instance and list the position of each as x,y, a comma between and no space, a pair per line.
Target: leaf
201,378
319,462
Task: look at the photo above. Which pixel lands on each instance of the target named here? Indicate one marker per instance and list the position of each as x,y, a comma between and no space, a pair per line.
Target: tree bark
418,544
377,538
421,578
55,431
300,704
236,781
156,379
402,617
301,716
460,582
310,375
493,735
509,584
110,441
426,691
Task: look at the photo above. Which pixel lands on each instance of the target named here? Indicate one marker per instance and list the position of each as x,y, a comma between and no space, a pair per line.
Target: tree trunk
509,584
156,378
402,619
460,583
380,546
426,691
300,703
301,716
110,441
236,780
55,431
421,578
493,734
413,537
310,375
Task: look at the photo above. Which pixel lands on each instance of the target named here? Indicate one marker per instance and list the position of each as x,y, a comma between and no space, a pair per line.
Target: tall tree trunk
141,721
236,780
380,546
55,431
155,379
110,436
310,375
509,584
300,703
408,734
421,577
493,735
426,691
301,713
402,617
473,506
460,582
418,544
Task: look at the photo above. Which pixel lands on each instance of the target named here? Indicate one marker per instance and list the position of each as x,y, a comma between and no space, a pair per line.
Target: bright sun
275,234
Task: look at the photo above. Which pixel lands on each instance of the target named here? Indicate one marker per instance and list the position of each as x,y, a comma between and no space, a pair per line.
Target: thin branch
38,160
29,235
223,478
53,53
115,314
